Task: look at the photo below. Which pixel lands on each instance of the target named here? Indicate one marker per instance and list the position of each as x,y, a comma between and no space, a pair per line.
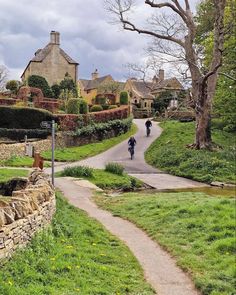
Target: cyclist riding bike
148,125
132,142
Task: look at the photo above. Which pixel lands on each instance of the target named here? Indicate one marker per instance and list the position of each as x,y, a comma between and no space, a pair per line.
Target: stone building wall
25,213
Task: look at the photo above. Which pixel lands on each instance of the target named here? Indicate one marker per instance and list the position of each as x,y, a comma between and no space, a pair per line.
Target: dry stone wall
25,213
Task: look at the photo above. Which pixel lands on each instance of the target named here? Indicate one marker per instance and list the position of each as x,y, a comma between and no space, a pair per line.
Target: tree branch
228,76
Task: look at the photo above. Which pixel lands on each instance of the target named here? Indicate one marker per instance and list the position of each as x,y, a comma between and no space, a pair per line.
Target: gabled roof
147,89
40,54
93,84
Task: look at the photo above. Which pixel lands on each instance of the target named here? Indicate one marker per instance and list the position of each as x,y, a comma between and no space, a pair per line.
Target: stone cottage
142,93
51,62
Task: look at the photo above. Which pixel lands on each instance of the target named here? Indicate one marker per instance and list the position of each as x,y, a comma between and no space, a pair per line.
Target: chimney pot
55,37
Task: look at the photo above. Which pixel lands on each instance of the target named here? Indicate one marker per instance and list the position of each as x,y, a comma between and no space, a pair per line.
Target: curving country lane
138,167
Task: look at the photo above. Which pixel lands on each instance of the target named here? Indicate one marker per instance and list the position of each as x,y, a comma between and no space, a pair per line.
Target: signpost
50,125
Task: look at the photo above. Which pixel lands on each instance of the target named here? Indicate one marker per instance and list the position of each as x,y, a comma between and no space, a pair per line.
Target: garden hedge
23,117
19,134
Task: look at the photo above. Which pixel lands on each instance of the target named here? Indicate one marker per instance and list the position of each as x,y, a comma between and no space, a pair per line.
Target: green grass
7,174
169,152
75,256
197,229
81,152
104,179
16,161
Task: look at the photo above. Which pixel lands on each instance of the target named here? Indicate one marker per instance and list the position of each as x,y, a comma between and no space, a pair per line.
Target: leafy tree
41,83
73,106
224,103
56,90
13,86
124,98
68,86
161,102
83,106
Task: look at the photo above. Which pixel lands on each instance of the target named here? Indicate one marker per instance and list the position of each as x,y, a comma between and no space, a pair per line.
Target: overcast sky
86,35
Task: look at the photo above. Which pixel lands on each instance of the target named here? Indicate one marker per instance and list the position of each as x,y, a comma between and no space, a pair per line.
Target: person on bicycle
148,125
132,142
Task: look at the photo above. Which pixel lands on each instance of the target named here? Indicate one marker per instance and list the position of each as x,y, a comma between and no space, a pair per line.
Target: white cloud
86,34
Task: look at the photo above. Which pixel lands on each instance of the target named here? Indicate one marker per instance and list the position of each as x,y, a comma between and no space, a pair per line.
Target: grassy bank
81,152
170,153
103,179
7,174
75,256
197,229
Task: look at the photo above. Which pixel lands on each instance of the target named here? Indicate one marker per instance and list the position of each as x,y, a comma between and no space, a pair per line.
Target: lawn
16,161
197,229
81,152
103,179
7,174
169,152
74,256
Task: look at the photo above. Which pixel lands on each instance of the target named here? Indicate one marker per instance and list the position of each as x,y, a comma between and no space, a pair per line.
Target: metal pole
53,147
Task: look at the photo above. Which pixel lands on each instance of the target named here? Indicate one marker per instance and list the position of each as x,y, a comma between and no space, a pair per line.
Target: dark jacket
148,123
132,142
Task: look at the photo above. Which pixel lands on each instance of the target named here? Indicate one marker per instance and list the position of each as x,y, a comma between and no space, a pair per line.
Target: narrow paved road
159,267
137,167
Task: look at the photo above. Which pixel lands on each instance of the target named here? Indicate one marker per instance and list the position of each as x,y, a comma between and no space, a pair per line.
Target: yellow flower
68,267
10,283
53,258
69,246
102,254
94,244
77,289
77,266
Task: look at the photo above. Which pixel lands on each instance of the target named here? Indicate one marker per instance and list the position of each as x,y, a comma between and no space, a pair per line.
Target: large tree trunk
203,117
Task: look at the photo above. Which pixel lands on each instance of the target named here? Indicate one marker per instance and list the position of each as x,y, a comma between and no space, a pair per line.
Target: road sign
46,124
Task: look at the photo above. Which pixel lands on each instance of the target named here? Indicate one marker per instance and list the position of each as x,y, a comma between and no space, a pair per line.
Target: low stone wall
25,213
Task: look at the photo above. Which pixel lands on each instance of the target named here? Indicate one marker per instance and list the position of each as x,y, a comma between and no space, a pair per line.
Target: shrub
96,108
41,83
100,130
19,134
56,90
13,86
73,106
78,171
113,106
23,117
114,168
100,100
83,106
124,98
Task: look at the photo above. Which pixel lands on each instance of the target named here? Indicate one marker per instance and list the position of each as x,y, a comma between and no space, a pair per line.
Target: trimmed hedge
96,108
99,131
23,117
19,134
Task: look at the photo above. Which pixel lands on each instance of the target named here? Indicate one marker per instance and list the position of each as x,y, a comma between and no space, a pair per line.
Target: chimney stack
161,75
55,38
95,75
155,79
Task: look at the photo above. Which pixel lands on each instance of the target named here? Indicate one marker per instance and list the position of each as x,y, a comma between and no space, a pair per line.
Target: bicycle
131,150
148,131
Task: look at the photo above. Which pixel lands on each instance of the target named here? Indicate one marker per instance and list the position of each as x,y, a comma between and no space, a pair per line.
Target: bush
83,106
124,98
100,100
19,134
73,106
56,90
78,171
113,106
96,108
114,168
23,117
100,130
41,83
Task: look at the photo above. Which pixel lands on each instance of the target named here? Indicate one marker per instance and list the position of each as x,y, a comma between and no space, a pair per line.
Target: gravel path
159,268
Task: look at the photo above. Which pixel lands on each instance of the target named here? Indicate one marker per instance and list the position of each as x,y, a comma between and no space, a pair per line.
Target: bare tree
174,36
3,77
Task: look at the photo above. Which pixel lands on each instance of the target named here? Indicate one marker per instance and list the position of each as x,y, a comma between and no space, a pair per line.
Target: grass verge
104,179
197,229
16,161
81,152
7,174
74,256
170,153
